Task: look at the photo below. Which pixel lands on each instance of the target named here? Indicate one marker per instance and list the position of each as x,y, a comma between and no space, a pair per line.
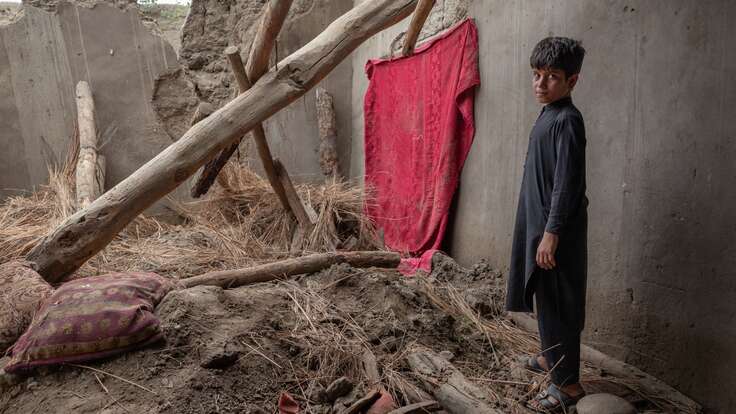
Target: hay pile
236,228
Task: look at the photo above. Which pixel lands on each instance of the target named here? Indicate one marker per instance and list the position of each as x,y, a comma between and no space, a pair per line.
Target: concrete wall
42,57
658,100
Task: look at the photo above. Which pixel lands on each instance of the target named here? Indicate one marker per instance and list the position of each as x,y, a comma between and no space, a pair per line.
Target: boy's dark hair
558,53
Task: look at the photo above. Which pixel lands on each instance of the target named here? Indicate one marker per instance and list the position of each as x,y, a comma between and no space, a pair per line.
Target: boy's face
551,85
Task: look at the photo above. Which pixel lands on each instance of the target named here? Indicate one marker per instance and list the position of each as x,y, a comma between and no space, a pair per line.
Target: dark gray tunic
552,199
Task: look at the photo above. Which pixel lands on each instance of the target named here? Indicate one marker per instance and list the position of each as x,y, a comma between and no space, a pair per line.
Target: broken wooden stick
363,403
327,124
449,386
260,52
417,23
295,202
295,266
212,169
88,231
89,175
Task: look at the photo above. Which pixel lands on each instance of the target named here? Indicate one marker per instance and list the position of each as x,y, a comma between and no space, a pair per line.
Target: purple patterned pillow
92,318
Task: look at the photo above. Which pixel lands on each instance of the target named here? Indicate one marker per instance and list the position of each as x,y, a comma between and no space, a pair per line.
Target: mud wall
658,104
44,54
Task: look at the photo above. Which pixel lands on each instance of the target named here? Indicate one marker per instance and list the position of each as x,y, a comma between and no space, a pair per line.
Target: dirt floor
235,351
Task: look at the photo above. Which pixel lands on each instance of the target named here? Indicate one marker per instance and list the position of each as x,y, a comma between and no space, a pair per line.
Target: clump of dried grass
237,228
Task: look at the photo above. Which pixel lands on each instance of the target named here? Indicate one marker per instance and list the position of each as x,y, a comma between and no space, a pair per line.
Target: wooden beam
451,389
295,202
260,53
417,23
268,31
212,169
88,171
88,231
289,267
327,124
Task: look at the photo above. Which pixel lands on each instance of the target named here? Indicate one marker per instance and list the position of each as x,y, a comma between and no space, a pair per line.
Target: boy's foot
556,400
536,363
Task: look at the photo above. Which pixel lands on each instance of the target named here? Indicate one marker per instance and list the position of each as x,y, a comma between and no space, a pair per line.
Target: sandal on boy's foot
531,363
554,400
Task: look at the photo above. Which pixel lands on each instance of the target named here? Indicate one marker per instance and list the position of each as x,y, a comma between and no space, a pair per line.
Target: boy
549,252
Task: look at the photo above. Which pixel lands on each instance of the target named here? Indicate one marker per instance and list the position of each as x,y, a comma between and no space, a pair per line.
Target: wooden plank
88,231
417,23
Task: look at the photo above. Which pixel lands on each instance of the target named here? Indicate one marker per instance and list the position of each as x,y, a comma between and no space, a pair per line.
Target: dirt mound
235,351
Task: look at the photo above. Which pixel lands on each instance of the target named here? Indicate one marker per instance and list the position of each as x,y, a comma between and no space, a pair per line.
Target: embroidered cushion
92,318
21,292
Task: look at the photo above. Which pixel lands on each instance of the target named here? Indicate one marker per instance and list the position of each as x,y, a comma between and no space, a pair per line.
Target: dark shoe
554,400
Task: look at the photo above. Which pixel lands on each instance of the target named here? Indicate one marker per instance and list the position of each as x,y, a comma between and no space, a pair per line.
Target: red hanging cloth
419,127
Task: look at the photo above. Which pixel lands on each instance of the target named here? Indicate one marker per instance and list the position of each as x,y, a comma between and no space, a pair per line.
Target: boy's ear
572,80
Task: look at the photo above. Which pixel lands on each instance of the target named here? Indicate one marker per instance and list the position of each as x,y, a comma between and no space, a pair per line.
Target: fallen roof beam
88,231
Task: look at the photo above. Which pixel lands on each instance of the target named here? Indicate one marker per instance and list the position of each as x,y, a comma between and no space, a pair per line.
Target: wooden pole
88,171
415,27
260,53
88,231
453,391
289,267
212,169
327,123
294,201
268,31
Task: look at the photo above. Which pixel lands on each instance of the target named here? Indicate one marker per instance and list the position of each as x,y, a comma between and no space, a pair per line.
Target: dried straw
241,227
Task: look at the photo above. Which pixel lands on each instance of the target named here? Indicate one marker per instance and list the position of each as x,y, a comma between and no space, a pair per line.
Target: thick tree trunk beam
87,165
417,23
290,267
418,408
617,368
268,31
295,202
449,386
327,123
88,231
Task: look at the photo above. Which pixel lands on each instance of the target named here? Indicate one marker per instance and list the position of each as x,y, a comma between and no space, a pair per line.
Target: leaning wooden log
415,27
88,231
295,266
617,368
449,386
268,31
260,53
212,169
295,202
87,166
100,174
327,125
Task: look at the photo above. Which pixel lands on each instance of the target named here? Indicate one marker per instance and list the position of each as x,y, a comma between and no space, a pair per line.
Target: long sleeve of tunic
552,199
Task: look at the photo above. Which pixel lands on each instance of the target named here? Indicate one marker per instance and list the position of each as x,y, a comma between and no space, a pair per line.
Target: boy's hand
546,251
